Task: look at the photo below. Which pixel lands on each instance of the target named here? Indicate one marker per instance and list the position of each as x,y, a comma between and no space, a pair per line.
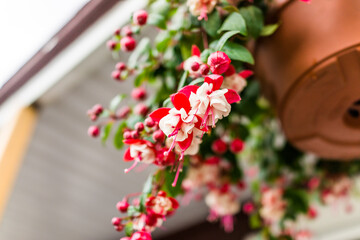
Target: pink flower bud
158,136
195,66
127,44
139,126
122,206
111,44
138,94
120,66
219,146
134,134
127,31
204,69
219,62
140,17
123,112
141,109
119,228
237,145
117,32
127,135
116,221
149,122
248,207
97,109
93,131
142,235
116,75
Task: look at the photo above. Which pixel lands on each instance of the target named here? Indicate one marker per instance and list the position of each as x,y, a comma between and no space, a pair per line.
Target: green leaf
129,229
182,80
234,22
269,29
118,138
224,38
142,50
116,101
169,178
213,23
160,7
132,210
162,40
254,20
196,81
167,103
148,185
231,9
255,221
157,20
205,55
105,132
238,52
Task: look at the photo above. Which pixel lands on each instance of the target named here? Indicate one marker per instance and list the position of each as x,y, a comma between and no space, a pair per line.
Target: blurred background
55,181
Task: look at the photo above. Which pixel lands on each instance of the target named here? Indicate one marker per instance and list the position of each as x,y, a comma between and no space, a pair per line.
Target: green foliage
254,20
105,132
234,22
213,24
118,137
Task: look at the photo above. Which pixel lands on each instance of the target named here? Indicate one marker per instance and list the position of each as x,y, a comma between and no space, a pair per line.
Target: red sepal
232,96
187,90
174,202
127,156
186,143
246,73
158,114
230,71
180,100
195,51
216,81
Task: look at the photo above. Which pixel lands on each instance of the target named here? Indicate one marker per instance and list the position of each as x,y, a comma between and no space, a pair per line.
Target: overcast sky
26,25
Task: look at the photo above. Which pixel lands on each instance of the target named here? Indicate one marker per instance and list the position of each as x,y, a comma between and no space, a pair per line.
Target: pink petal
215,79
232,96
180,101
195,51
246,73
158,114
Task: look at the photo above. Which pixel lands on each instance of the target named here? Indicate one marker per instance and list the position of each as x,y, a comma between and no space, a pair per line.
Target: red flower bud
122,206
150,220
127,44
162,193
119,228
158,136
123,112
116,221
230,71
141,109
134,134
195,66
139,126
111,44
127,31
93,131
116,75
219,62
140,17
219,146
120,66
237,145
204,69
138,93
117,32
127,135
149,122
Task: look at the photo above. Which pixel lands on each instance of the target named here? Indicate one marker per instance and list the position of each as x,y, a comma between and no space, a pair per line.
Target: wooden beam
15,138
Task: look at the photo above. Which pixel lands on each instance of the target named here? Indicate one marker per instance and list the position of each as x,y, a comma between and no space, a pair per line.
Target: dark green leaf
254,20
162,41
118,138
169,178
213,23
116,101
231,9
224,38
269,29
196,81
105,132
238,52
234,22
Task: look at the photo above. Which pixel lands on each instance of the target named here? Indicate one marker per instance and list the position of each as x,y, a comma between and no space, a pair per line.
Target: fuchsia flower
189,63
236,81
201,7
219,62
211,103
161,205
273,206
139,151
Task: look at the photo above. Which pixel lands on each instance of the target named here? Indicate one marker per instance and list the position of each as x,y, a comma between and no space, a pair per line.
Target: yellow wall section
15,144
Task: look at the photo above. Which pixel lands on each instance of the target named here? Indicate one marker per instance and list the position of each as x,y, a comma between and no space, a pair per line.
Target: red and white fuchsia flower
139,151
192,64
201,8
236,81
219,62
273,206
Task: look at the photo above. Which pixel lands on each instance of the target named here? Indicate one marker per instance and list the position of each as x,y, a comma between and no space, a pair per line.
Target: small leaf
132,210
182,80
157,20
224,38
254,20
213,23
231,9
148,185
143,49
269,29
105,131
118,138
116,101
238,52
196,81
205,55
129,229
234,22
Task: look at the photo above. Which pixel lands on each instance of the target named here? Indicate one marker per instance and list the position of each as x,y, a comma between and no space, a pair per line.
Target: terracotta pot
310,71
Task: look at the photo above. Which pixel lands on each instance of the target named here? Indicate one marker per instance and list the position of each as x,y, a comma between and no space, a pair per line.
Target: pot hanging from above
310,71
